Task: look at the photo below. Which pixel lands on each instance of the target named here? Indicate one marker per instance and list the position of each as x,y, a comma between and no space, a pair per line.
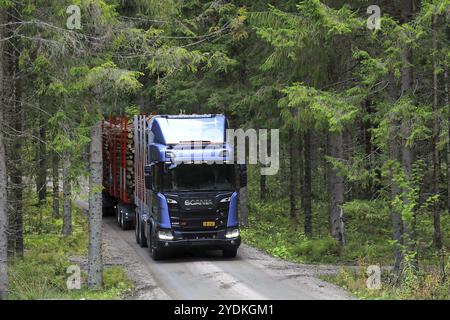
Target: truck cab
191,186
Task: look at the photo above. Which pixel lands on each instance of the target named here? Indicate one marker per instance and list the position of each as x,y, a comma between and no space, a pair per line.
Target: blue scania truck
185,185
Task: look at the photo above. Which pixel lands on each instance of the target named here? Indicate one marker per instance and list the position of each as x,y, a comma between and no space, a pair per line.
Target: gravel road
252,275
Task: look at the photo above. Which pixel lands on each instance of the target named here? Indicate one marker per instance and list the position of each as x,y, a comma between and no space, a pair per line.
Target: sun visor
176,130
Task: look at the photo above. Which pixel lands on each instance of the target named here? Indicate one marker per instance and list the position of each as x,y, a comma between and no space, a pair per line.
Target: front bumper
212,244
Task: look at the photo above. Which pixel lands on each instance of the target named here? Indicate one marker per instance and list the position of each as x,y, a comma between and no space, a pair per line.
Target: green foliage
5,4
330,110
282,252
326,249
116,278
363,213
113,79
42,272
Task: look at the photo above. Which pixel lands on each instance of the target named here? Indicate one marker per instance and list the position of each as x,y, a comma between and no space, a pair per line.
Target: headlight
170,155
165,235
224,153
234,233
171,201
228,199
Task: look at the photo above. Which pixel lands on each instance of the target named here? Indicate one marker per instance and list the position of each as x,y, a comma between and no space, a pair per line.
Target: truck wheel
136,229
157,255
118,218
122,223
154,253
126,225
141,231
230,253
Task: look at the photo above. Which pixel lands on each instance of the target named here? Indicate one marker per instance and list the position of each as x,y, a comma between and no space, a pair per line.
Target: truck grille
199,235
193,221
191,211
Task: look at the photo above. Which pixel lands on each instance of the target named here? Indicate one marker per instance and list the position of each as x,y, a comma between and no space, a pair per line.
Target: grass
42,273
421,286
273,231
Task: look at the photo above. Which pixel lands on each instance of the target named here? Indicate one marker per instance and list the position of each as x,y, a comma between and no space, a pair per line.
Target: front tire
154,252
142,237
230,252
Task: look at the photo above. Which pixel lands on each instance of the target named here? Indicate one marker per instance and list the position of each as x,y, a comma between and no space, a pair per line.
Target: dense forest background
363,114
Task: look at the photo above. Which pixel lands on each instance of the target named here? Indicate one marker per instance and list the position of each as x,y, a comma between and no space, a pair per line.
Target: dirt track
252,275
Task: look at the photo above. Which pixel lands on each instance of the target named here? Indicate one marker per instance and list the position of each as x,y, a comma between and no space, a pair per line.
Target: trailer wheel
126,225
230,252
118,218
122,223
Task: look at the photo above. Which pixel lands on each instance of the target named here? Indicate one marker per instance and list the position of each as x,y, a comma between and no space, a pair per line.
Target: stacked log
118,159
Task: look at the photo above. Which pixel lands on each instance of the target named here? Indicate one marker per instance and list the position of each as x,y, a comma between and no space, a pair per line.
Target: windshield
199,177
192,129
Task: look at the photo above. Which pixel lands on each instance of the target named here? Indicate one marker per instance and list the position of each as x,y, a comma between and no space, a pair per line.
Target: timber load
118,158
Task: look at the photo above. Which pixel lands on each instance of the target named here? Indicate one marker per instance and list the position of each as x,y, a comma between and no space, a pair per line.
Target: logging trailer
174,180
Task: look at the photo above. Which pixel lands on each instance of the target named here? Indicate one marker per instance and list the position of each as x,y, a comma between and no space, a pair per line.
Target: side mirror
242,175
148,177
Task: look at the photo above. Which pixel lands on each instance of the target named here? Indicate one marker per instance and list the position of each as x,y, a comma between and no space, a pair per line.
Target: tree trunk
293,176
3,211
436,163
367,127
407,162
15,148
95,263
262,187
263,196
336,188
243,207
55,179
447,103
405,129
396,218
307,183
67,201
3,179
17,189
300,171
41,156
